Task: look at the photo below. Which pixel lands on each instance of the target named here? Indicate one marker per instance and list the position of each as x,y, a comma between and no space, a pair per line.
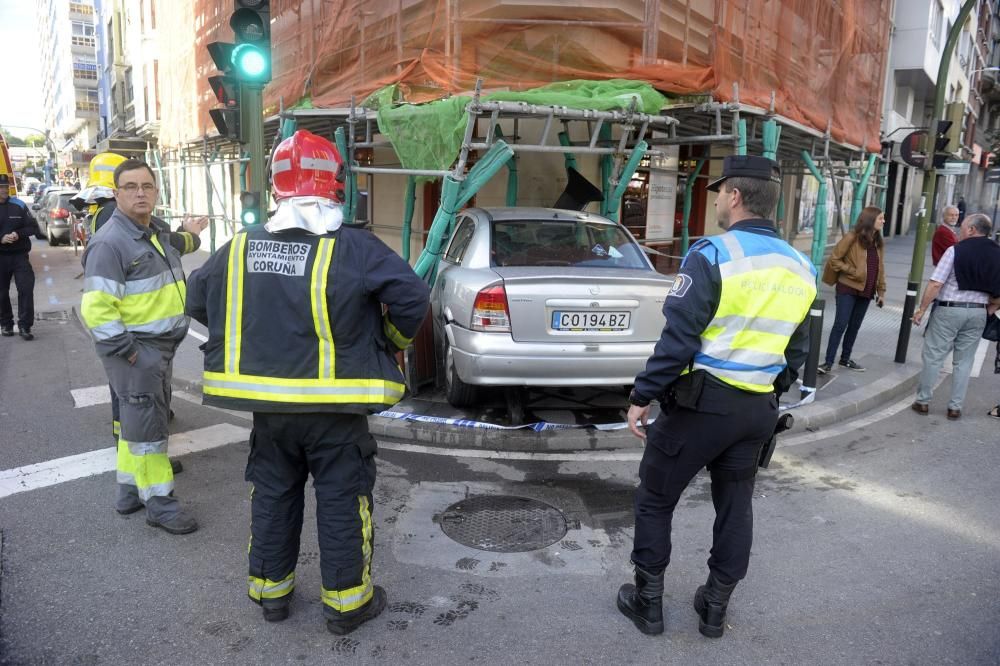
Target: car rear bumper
494,359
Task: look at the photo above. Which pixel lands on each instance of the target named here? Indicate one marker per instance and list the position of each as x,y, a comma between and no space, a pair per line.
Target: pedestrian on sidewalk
965,288
133,305
857,268
946,233
297,335
734,337
17,226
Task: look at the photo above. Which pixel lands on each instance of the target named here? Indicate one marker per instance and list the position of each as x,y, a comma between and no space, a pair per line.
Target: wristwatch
636,399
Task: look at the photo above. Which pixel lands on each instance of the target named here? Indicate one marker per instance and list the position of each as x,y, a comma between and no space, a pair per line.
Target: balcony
80,44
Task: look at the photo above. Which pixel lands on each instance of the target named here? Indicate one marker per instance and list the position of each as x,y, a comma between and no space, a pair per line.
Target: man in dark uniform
304,319
17,226
734,336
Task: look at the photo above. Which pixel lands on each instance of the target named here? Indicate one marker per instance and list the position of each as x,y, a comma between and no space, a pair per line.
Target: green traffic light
250,61
249,217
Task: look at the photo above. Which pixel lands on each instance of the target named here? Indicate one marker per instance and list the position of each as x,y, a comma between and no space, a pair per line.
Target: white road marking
82,465
93,395
197,336
977,363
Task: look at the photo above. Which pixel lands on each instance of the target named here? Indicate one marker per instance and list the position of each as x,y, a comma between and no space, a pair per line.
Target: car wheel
457,392
52,239
40,235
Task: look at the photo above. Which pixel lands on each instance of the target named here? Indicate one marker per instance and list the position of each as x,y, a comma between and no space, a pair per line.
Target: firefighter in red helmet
304,318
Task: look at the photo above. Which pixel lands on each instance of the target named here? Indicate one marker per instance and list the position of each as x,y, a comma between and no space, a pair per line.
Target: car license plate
590,321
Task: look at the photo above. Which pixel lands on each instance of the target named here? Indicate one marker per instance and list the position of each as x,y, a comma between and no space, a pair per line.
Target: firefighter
305,317
133,306
734,337
102,169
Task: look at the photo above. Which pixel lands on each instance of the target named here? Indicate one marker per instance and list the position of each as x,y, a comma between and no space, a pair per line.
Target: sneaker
851,365
7,332
26,334
345,623
824,369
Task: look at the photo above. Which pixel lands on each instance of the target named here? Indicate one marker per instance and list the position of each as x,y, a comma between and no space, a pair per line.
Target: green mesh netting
429,136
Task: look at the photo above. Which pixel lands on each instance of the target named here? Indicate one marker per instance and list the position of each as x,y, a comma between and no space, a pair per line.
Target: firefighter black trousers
725,434
339,452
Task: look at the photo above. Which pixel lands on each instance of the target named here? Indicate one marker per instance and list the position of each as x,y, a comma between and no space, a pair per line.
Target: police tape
538,426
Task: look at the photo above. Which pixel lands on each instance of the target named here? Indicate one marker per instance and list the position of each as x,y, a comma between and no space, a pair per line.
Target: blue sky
22,99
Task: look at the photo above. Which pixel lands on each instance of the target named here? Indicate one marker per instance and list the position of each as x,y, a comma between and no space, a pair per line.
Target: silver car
543,297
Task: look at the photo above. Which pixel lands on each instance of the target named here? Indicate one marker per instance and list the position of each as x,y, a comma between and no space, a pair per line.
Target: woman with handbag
856,268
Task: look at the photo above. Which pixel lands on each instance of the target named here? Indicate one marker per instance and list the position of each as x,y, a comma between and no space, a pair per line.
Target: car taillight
60,213
490,311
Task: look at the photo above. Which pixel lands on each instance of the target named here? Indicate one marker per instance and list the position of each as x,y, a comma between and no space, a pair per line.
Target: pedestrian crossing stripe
82,465
93,395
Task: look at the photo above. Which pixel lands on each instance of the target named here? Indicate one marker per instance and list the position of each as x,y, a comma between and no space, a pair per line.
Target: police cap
747,166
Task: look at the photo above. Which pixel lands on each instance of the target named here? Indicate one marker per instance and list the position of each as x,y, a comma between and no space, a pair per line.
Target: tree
12,140
34,140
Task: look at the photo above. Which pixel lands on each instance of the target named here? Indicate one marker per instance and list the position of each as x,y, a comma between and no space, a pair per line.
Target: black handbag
992,330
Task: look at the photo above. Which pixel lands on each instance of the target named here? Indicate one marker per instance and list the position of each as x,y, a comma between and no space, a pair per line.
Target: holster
686,391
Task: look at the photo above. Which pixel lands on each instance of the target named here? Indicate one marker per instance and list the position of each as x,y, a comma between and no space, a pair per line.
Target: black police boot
643,602
711,601
342,624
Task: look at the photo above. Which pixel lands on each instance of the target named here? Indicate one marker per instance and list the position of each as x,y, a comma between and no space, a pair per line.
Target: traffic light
250,213
227,91
251,24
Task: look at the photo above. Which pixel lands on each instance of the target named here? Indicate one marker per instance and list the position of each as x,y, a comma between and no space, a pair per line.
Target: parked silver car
543,297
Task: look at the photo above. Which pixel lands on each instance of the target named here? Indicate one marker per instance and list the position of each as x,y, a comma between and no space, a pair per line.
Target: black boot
643,602
342,624
276,610
710,601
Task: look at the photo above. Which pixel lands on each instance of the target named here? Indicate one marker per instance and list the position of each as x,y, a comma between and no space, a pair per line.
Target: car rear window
564,243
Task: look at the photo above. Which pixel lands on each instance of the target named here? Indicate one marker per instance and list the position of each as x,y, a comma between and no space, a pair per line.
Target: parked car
55,216
543,297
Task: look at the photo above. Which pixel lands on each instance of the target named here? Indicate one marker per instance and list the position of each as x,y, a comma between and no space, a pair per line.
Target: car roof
536,213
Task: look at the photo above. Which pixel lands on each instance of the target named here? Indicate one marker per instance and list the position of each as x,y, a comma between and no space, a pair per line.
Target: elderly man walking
965,289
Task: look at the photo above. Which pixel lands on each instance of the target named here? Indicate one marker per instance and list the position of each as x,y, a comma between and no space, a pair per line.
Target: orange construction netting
824,60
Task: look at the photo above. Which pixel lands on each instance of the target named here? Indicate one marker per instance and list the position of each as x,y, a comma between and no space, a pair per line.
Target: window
460,240
547,243
937,17
81,29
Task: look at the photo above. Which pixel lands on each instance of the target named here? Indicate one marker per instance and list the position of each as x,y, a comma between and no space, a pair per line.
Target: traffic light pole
930,187
252,124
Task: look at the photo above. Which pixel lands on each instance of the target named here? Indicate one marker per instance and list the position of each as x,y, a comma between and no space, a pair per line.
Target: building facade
68,50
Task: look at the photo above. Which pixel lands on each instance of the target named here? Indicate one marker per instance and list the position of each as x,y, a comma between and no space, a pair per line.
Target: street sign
954,169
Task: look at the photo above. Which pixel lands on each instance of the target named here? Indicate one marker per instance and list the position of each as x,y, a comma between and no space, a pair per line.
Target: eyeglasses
132,188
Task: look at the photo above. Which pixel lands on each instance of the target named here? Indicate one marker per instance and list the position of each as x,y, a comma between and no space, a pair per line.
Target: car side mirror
36,207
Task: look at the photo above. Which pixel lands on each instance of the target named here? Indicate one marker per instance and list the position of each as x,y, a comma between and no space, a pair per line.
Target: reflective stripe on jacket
183,241
296,321
767,288
133,289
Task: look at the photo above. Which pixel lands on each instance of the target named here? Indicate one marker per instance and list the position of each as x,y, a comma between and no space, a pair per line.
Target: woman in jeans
857,269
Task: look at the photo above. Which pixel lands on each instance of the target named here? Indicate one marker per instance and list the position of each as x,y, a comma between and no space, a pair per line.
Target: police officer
297,335
17,226
734,334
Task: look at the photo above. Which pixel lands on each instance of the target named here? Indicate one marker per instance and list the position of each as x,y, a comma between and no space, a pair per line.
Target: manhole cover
503,524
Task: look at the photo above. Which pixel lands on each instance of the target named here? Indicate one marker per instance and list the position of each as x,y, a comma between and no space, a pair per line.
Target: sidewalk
841,395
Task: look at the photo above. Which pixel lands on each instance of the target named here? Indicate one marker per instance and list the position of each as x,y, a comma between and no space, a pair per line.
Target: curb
808,418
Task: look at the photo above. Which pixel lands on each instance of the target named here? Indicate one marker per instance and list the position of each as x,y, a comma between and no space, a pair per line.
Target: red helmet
307,165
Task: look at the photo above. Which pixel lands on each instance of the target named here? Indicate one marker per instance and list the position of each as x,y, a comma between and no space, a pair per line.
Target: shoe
643,602
824,369
995,412
710,602
7,332
26,333
345,623
851,365
920,408
276,610
176,467
179,524
170,417
128,509
954,414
